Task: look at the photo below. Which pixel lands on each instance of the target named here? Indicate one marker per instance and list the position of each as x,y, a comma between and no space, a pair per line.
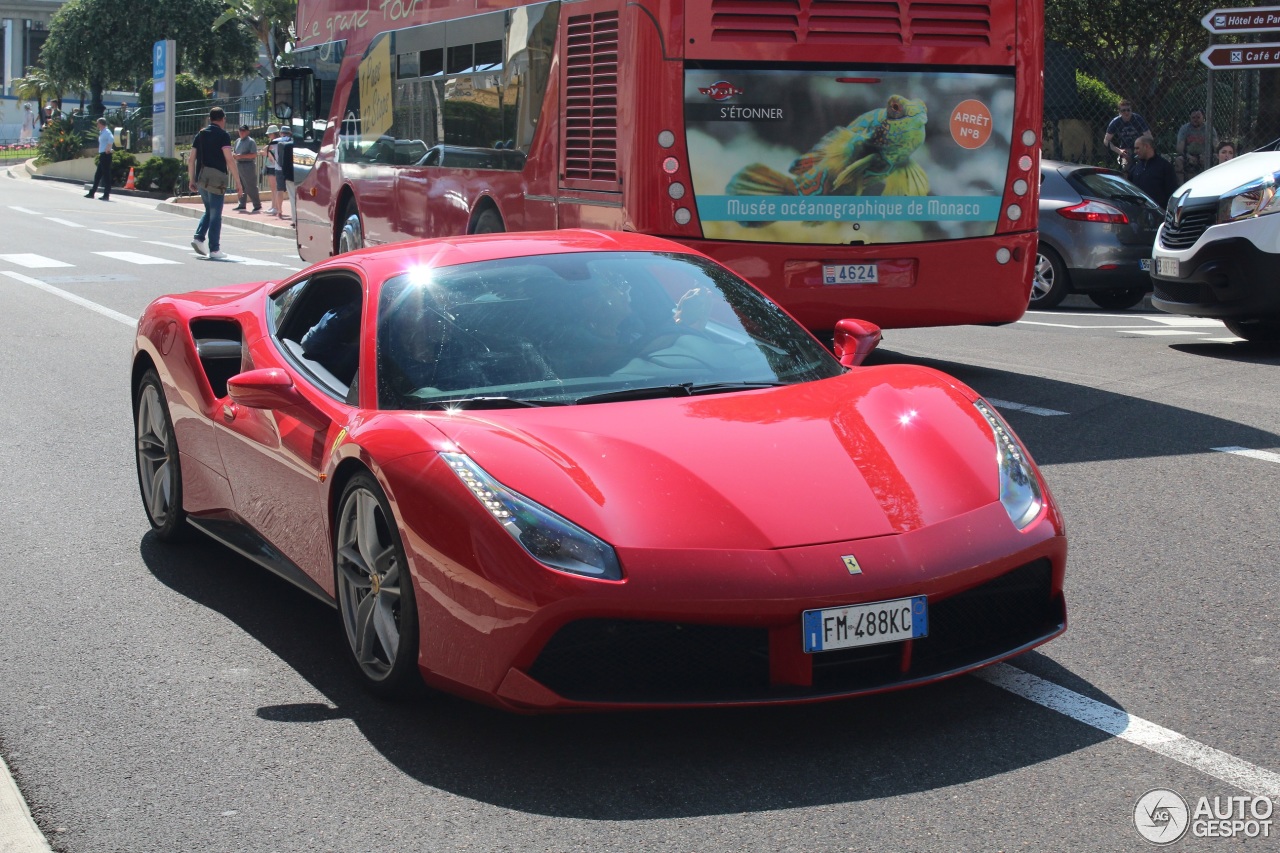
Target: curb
18,831
247,222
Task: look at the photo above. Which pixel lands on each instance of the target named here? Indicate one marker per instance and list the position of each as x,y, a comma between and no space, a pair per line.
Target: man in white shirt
106,144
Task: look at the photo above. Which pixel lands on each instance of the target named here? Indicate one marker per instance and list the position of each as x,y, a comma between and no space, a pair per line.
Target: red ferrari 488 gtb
592,470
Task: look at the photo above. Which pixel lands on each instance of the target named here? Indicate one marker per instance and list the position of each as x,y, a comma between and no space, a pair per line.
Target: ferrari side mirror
854,341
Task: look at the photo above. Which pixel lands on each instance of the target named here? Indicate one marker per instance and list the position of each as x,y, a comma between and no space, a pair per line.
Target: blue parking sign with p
158,60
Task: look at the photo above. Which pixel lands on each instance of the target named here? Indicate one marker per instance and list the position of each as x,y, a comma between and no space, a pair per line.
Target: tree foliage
107,43
269,20
1133,47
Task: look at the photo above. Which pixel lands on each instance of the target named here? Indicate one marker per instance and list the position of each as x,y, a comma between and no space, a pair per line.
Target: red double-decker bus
868,158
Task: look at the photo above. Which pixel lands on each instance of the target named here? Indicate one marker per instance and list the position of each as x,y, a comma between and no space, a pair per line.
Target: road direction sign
1254,19
1229,57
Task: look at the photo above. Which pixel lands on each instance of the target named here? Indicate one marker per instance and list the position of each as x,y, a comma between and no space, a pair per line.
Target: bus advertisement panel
847,156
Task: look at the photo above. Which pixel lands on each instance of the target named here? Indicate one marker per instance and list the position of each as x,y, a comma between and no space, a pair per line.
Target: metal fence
1079,105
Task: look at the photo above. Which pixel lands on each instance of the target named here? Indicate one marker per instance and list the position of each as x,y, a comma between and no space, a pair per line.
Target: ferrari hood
874,452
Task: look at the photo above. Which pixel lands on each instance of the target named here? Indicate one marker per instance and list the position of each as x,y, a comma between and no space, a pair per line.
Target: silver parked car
1096,234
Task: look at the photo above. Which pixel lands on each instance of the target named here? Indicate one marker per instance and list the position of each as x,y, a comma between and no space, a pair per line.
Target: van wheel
351,237
1255,331
489,222
1050,282
1118,300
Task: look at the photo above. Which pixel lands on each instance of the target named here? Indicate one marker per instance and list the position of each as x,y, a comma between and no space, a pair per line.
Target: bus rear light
683,216
1014,212
676,190
666,139
1019,187
1024,163
1094,211
1003,255
1028,138
670,165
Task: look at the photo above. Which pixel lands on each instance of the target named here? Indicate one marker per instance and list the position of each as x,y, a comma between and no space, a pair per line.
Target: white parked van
1218,252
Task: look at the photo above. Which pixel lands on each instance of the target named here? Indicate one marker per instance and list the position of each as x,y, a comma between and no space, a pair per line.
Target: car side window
321,330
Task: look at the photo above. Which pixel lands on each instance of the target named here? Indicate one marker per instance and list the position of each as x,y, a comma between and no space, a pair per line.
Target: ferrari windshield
584,327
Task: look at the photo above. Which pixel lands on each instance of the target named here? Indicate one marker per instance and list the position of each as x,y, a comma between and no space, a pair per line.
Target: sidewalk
181,205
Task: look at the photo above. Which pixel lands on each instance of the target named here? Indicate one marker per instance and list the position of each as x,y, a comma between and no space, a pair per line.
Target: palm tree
37,86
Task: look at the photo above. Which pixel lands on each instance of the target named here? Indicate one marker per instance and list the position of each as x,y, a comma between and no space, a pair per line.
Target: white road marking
24,210
1264,455
114,234
33,262
135,258
1176,320
66,222
1075,326
1158,332
249,262
71,297
1106,718
1019,407
18,832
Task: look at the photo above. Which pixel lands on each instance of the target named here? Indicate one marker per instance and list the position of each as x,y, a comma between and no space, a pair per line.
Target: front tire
351,237
159,468
1050,283
1255,331
375,590
1118,300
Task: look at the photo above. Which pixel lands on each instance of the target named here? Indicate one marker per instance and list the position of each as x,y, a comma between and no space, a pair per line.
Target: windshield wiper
684,389
489,403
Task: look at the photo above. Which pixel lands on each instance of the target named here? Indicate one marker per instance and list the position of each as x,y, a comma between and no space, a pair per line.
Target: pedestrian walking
272,170
209,168
106,145
284,161
246,156
29,123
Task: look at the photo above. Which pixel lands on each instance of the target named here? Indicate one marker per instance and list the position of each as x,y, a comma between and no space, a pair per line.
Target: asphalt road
178,698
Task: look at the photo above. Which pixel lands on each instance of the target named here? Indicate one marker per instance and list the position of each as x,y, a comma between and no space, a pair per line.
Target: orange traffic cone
129,185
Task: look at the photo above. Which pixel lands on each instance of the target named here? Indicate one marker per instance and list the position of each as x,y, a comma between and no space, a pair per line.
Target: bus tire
488,222
351,237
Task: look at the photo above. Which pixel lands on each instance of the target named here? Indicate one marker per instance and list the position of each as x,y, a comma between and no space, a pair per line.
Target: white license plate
866,624
850,274
1167,266
1145,265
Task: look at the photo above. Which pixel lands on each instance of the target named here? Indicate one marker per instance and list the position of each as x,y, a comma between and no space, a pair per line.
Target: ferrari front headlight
1256,198
1019,487
549,538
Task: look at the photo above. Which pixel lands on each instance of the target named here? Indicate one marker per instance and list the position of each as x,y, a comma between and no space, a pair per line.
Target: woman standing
28,123
272,170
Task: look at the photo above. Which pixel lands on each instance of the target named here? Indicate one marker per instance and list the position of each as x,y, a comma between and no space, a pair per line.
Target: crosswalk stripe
240,259
24,209
136,258
114,234
1158,332
33,262
66,222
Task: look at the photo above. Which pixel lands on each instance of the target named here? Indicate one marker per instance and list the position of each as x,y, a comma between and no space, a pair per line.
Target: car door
274,459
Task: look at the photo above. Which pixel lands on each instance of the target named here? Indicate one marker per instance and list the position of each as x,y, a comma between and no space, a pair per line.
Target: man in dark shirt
1123,131
1152,173
208,168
